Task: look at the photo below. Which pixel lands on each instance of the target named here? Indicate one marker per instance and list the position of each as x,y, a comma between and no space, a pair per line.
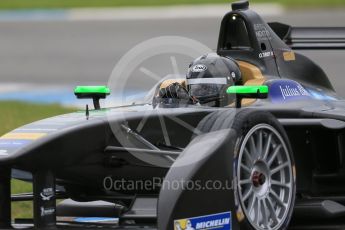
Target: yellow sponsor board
22,136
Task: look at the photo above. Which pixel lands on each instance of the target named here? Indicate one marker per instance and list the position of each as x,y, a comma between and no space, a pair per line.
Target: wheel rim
265,178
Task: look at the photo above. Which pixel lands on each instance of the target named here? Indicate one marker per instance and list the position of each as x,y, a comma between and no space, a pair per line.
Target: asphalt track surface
85,52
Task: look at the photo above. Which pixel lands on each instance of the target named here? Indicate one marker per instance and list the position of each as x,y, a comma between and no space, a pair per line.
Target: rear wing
310,38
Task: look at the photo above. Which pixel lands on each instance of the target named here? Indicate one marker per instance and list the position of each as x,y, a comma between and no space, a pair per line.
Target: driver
210,76
207,80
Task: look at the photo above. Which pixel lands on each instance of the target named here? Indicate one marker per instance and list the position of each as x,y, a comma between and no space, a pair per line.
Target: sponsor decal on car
47,194
266,54
262,33
47,211
220,221
3,152
22,136
287,90
12,144
36,130
289,56
96,220
199,68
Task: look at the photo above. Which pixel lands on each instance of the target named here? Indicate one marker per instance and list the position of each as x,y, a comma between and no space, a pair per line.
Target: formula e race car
272,158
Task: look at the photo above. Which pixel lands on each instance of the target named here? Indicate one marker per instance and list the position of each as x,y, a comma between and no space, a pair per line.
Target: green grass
16,114
21,209
29,4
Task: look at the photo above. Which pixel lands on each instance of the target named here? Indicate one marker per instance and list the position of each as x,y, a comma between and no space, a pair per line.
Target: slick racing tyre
264,170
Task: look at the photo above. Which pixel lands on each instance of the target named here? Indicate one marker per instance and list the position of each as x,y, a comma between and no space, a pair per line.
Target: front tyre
264,178
264,171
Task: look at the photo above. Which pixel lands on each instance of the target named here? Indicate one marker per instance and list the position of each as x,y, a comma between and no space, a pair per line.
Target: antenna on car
87,112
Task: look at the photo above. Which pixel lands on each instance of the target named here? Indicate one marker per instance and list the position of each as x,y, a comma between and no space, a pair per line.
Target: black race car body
84,153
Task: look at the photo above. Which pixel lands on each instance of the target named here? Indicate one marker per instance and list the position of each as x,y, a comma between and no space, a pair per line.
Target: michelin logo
221,221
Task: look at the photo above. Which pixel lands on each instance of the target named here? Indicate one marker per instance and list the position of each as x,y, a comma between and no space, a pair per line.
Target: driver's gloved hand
175,91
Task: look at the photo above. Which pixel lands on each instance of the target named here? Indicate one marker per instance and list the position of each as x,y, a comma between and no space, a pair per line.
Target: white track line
28,87
171,12
135,13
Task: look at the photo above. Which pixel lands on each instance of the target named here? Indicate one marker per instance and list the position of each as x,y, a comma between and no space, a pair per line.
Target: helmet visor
206,87
206,90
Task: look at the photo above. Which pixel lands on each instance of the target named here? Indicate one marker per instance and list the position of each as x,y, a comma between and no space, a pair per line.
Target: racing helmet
208,78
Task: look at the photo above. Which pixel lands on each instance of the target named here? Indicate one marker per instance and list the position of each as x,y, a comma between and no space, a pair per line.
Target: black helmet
209,77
